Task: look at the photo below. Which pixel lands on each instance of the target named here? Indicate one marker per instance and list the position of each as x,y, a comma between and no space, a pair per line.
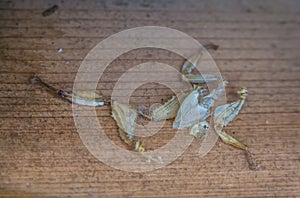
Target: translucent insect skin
166,111
190,111
199,130
169,109
224,114
196,79
196,107
125,117
192,61
85,97
81,97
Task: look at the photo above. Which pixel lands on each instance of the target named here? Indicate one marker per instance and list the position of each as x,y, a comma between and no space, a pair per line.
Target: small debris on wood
50,11
251,162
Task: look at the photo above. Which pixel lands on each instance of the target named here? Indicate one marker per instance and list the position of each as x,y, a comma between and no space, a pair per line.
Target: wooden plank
89,43
177,5
76,54
121,65
41,153
119,22
12,32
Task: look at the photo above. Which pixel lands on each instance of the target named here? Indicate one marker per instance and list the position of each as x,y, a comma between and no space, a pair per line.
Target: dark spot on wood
282,22
252,164
50,11
273,45
145,4
121,3
249,10
13,135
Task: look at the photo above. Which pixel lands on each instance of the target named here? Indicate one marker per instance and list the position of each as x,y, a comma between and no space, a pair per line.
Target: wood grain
41,153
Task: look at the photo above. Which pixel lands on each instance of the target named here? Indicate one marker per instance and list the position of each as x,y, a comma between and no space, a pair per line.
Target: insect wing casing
125,117
189,112
224,114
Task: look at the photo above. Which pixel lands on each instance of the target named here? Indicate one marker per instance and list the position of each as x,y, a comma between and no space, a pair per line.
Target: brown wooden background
40,151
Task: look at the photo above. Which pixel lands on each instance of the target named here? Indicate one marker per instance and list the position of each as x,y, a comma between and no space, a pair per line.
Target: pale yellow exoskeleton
169,109
125,117
81,97
166,111
85,97
225,114
125,137
139,146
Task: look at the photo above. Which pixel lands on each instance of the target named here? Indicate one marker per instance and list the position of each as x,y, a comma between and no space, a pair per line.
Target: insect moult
224,114
199,129
189,109
80,97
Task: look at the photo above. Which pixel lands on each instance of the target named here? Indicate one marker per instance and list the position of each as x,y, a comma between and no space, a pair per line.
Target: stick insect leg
231,140
52,90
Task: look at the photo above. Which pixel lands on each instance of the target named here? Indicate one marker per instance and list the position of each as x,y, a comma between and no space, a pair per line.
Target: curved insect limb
125,138
81,97
199,79
192,61
230,140
52,90
224,114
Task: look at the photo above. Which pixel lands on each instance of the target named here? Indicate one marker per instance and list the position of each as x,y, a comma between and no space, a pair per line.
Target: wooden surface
41,153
